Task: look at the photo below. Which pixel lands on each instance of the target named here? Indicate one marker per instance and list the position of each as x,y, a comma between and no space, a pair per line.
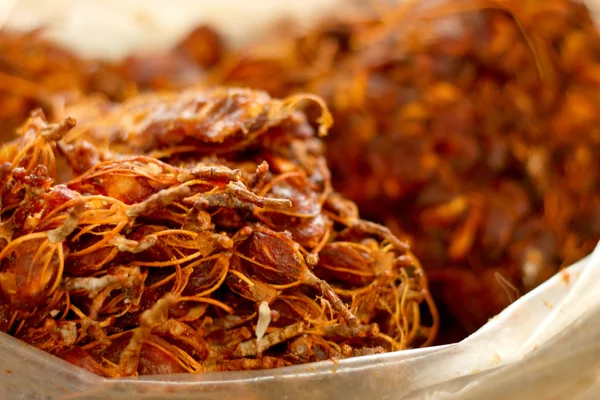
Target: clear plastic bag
546,345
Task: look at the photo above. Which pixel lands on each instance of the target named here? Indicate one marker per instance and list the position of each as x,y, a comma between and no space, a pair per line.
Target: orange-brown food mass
195,231
35,73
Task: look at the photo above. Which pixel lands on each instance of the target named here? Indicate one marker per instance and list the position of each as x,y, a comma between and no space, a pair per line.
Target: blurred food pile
469,127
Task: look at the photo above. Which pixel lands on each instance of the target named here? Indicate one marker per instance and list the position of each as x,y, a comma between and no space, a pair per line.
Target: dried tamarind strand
224,254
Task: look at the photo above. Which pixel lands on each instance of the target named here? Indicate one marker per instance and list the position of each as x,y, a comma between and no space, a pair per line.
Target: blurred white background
114,28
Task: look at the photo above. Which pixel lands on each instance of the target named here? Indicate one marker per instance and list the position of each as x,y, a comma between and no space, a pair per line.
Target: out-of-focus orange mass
470,128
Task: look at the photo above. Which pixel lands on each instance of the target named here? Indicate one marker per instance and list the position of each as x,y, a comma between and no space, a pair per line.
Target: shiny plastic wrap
546,345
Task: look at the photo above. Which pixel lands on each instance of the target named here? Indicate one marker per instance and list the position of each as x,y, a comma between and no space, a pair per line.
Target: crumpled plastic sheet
545,346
